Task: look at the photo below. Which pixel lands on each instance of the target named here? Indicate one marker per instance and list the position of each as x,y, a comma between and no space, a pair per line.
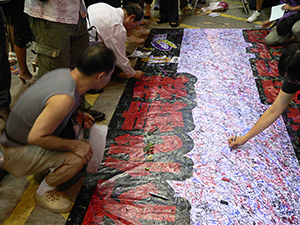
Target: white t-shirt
108,22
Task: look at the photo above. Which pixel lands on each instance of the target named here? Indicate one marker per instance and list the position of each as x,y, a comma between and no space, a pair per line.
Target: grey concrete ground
16,199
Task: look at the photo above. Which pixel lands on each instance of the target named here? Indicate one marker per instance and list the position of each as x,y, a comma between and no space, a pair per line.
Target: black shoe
98,116
174,24
4,113
95,91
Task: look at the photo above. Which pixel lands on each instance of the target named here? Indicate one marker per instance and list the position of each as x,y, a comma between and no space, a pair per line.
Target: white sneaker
254,17
134,40
54,202
141,32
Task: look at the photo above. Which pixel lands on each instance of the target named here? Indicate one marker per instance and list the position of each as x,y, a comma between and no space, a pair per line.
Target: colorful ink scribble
185,111
257,183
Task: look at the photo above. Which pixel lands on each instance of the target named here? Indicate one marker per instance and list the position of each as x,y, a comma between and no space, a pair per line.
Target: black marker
158,196
224,202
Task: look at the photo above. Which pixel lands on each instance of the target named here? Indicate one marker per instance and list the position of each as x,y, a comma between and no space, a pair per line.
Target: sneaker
4,114
254,17
54,202
134,40
141,32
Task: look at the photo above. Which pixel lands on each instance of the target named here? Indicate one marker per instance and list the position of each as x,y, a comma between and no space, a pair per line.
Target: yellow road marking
23,210
25,206
91,98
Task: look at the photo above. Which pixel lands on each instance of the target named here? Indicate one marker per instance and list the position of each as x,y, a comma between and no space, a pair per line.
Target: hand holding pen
235,140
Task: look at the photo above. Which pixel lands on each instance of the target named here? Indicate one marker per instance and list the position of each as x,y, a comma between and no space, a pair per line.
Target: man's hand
138,74
266,24
238,141
88,120
83,150
287,7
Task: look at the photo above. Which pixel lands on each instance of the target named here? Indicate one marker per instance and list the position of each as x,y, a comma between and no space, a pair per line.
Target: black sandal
174,24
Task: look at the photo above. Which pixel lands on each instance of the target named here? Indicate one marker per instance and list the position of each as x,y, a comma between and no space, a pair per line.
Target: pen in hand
234,137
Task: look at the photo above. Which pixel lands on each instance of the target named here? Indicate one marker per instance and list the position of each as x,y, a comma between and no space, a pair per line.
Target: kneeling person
32,143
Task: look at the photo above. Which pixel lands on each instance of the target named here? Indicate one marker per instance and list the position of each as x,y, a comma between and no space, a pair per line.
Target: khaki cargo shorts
24,160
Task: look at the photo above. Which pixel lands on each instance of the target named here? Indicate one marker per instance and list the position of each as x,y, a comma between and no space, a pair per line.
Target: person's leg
257,13
273,38
172,12
70,167
52,44
147,11
79,41
22,160
5,75
24,73
163,11
296,30
22,35
47,196
183,4
259,4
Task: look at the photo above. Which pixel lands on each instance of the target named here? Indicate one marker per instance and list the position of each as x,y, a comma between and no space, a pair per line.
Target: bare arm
290,8
266,119
56,109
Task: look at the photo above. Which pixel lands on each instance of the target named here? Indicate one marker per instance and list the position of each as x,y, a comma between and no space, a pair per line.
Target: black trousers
5,75
14,12
169,11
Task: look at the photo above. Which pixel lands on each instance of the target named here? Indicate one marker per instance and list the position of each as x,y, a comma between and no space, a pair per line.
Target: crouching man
32,143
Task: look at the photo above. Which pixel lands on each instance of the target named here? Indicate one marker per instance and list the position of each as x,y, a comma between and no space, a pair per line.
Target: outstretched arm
266,119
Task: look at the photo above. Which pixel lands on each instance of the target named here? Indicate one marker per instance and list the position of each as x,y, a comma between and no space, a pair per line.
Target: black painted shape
168,70
256,38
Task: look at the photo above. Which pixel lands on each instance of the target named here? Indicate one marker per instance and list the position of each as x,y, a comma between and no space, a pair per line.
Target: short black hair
288,64
96,59
133,9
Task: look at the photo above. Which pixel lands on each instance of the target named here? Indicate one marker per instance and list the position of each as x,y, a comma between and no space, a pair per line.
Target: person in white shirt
110,26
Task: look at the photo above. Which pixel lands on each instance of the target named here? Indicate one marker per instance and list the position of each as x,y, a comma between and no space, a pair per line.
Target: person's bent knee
74,160
296,31
270,41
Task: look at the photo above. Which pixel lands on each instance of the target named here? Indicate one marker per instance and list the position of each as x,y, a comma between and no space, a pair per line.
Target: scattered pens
258,26
159,196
